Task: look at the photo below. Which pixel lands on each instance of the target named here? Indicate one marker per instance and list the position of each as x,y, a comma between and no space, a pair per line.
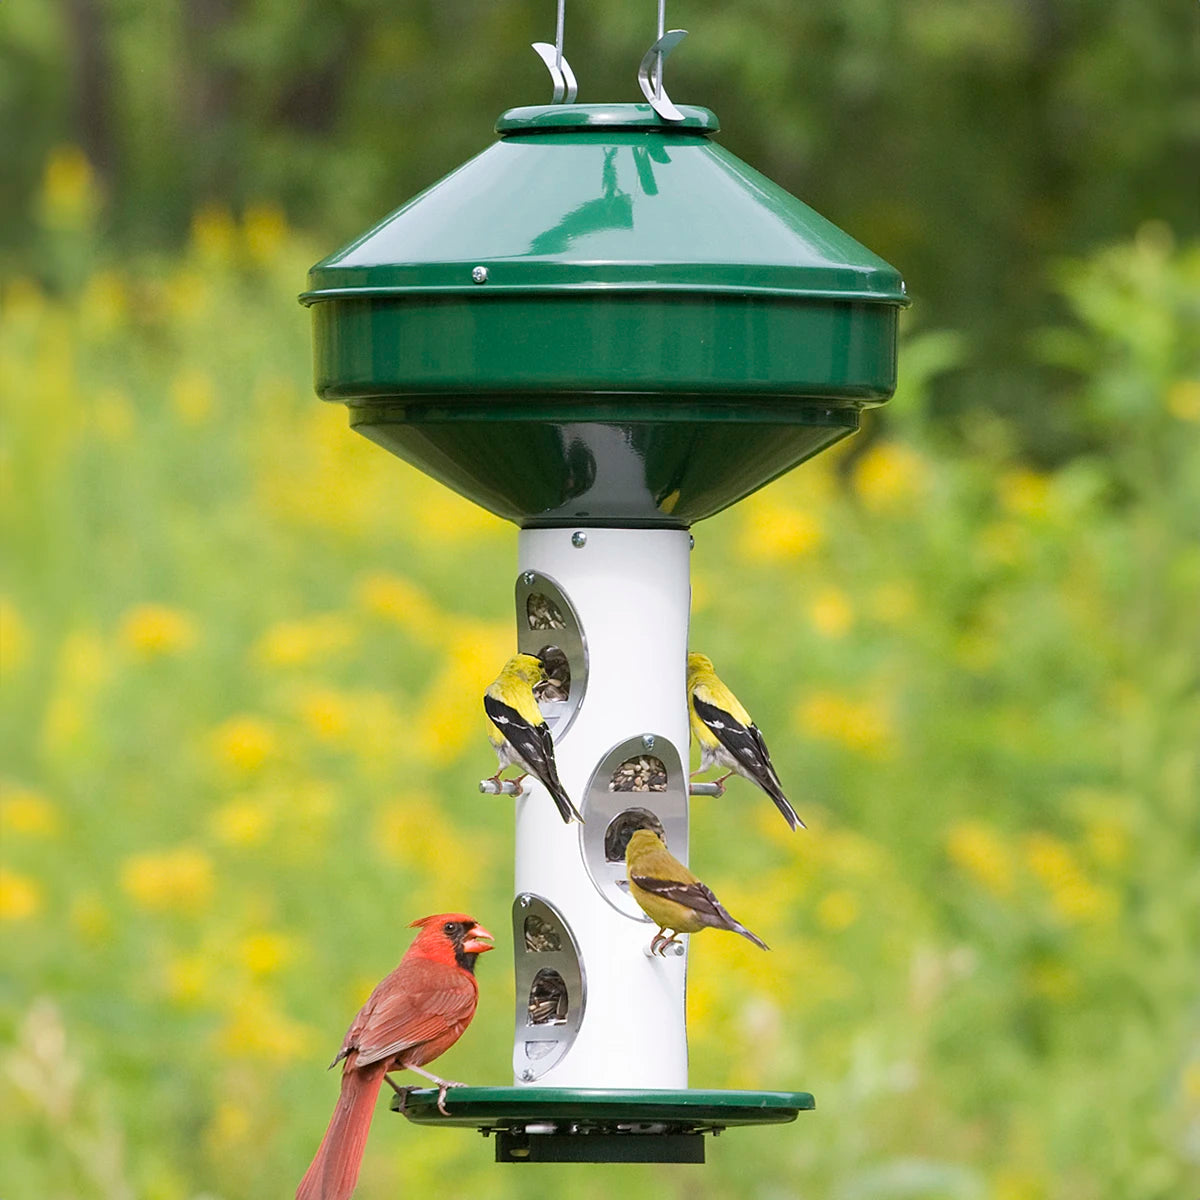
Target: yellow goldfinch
728,737
519,733
671,895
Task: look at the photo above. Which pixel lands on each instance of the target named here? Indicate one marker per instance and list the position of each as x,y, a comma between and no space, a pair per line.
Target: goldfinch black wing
700,899
536,748
746,745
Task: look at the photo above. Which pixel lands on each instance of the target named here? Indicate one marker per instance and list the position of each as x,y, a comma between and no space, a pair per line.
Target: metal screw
527,1075
675,949
479,274
691,541
528,578
648,740
579,539
525,898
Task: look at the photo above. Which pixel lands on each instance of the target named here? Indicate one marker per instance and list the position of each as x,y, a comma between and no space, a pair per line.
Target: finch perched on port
518,731
416,1013
671,896
728,737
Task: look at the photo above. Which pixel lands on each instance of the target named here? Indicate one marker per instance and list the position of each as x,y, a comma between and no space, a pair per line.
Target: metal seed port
551,987
547,626
628,769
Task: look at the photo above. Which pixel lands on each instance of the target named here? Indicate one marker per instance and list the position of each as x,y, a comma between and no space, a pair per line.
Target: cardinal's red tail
334,1171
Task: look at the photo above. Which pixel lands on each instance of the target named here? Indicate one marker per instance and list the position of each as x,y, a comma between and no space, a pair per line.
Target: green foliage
243,651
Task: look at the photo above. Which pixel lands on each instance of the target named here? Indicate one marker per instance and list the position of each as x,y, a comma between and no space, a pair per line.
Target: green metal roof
601,198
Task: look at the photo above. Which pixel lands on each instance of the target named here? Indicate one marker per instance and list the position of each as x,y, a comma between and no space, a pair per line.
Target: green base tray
541,1124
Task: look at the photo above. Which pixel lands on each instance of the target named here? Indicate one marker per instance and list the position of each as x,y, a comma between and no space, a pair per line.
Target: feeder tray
544,1124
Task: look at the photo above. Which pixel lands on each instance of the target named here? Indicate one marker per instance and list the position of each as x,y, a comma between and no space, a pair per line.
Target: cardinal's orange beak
478,940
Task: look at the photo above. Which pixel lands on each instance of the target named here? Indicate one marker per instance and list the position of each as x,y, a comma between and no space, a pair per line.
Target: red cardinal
419,1011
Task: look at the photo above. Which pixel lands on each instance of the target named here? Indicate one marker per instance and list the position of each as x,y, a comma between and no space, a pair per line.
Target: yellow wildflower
265,230
14,637
70,196
831,613
242,822
1183,399
1073,896
193,396
890,476
413,832
214,233
179,880
245,742
451,708
153,630
404,602
257,1029
982,852
20,896
1025,493
266,953
772,531
837,910
861,726
297,643
24,811
326,713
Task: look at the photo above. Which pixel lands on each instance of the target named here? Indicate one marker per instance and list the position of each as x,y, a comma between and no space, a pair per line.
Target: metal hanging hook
653,89
565,87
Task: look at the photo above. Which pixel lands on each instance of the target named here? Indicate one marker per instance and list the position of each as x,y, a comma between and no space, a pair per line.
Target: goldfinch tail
753,937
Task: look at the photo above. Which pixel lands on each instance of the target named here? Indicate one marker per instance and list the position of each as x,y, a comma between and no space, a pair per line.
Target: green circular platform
541,1124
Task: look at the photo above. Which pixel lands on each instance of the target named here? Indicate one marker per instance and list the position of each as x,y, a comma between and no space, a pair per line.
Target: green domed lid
607,196
605,318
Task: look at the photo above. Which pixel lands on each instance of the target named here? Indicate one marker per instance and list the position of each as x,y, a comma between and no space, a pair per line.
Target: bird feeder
604,328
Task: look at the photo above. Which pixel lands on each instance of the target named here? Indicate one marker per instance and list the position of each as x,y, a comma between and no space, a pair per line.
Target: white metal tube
630,589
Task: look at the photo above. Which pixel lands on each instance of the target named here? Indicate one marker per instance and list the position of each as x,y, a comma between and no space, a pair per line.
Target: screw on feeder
528,1075
479,274
525,898
565,87
579,539
528,578
648,740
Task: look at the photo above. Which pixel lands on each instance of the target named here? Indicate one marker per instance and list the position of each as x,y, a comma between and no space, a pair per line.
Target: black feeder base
600,1125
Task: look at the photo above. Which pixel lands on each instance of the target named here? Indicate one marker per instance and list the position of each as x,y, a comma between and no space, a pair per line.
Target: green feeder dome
605,319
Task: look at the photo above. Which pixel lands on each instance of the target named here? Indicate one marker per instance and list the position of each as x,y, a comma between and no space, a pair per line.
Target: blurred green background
243,648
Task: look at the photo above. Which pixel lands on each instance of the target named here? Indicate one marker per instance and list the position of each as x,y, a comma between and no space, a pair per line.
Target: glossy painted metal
690,1109
659,331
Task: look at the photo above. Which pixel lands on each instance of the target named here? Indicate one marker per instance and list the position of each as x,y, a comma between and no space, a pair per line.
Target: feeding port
548,627
656,776
550,987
